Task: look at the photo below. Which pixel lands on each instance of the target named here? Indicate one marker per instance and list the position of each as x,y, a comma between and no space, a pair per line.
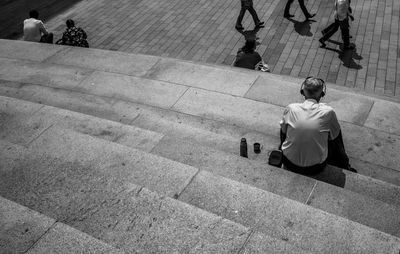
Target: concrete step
211,133
68,182
18,116
23,230
105,204
374,158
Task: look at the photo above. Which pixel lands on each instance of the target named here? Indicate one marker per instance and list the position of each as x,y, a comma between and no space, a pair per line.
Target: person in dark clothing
74,36
247,5
342,15
302,6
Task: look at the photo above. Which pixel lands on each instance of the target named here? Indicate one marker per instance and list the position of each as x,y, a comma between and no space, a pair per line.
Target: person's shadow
347,57
303,28
250,35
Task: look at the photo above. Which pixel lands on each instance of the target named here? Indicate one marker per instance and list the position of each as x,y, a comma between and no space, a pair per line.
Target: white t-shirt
308,126
33,30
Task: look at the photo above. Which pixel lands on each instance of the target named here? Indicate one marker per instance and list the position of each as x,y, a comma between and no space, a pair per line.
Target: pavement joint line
251,86
152,67
180,97
369,112
35,243
40,134
242,249
312,190
177,195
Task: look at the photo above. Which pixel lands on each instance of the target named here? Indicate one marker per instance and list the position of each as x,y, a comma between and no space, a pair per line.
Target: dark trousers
336,157
332,29
302,6
48,38
247,5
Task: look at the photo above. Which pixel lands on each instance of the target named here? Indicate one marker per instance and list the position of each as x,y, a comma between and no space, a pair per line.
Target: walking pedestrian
302,6
247,5
342,15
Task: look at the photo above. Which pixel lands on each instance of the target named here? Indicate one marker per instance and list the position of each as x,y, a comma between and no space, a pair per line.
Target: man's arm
283,129
42,28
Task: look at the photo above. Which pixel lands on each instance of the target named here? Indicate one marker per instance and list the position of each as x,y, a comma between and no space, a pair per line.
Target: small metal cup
257,148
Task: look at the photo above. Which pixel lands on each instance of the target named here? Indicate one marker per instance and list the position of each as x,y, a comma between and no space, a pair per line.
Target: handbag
275,158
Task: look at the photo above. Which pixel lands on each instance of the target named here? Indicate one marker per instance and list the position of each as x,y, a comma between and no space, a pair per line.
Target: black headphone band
320,79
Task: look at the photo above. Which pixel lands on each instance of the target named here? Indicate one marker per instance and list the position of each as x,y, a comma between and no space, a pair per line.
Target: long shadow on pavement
347,57
13,13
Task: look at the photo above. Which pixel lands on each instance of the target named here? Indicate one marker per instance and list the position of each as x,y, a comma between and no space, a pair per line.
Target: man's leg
328,28
287,9
254,15
304,9
329,33
344,28
241,15
48,38
337,154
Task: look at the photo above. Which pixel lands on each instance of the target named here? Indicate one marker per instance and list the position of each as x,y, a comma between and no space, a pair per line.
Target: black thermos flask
243,148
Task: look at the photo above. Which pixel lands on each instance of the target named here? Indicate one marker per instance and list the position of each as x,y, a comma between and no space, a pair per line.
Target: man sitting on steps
310,133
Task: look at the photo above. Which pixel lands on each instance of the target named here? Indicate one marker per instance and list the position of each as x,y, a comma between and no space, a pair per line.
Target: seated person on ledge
74,36
310,133
34,30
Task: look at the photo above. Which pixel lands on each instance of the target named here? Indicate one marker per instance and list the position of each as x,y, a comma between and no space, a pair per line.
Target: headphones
323,86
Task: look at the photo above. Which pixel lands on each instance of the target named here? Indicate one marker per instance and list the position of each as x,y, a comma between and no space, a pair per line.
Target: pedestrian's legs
254,15
326,29
304,9
241,15
331,31
287,7
344,28
337,154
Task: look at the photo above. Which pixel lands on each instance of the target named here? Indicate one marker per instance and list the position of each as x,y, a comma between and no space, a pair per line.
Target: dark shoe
239,27
311,16
352,169
288,15
260,24
323,45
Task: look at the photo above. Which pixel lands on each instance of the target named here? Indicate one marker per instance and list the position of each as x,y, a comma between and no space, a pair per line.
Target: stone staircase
141,153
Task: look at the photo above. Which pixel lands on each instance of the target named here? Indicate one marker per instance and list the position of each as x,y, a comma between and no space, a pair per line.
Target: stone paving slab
64,239
104,60
261,243
15,123
300,225
384,116
227,108
72,100
27,50
262,176
20,227
202,76
146,222
134,89
41,73
100,128
372,146
164,176
349,107
356,207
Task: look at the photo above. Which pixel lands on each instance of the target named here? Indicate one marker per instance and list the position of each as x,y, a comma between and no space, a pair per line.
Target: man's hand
351,17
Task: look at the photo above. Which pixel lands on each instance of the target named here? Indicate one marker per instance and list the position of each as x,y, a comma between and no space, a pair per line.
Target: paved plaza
204,31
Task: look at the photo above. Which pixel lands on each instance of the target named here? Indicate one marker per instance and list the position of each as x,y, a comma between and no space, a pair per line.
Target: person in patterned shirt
74,36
